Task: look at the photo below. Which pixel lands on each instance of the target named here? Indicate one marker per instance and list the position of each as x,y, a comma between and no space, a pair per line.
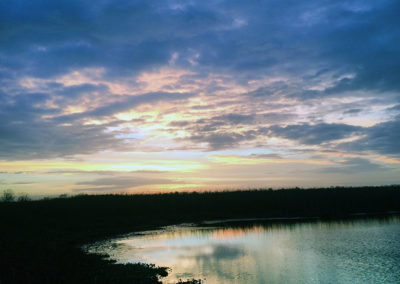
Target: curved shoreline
237,222
41,239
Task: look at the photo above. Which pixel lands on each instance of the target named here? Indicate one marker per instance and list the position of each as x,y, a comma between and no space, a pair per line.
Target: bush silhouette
23,197
8,196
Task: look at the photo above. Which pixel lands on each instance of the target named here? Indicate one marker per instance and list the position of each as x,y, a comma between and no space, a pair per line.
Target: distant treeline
9,196
40,239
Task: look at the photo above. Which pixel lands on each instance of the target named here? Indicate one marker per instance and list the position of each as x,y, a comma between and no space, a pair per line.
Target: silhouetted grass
40,239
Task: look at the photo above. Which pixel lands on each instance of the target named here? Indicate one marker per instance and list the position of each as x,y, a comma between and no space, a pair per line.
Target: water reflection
365,251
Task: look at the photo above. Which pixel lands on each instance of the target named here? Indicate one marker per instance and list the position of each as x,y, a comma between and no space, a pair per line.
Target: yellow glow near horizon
152,165
241,160
162,188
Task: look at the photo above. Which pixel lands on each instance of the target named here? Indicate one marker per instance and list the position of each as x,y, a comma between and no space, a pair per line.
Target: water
363,251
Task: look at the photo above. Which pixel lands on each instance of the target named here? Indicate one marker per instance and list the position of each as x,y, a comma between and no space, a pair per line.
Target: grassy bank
40,239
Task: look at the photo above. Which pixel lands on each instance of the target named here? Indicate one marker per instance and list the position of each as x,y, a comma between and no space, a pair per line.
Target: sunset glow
190,96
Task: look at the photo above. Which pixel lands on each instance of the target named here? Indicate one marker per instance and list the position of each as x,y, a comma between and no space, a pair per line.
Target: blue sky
144,96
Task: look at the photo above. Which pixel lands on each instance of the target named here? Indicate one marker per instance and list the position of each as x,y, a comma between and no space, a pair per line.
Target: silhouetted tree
8,196
23,197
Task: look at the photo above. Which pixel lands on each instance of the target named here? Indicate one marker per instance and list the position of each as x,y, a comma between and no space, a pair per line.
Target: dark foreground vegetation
39,240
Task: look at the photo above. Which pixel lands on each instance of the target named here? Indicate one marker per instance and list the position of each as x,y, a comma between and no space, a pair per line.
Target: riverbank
40,240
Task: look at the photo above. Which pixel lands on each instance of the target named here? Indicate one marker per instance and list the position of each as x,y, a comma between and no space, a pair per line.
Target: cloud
220,75
251,119
25,134
352,111
28,133
126,103
229,130
101,173
123,36
266,156
120,183
235,119
395,108
75,91
303,40
382,138
315,134
218,141
353,165
127,37
42,139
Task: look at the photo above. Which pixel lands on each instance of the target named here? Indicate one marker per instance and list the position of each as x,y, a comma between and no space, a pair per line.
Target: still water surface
363,251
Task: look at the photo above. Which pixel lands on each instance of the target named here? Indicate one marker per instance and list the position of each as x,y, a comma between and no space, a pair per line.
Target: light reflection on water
364,251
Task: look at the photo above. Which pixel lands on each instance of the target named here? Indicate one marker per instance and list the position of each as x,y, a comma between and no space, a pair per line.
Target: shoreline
232,223
41,239
269,220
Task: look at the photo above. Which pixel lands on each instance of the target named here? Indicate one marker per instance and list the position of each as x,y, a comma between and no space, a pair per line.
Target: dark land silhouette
40,240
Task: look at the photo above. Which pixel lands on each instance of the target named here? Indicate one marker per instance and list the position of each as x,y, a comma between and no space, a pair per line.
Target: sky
158,96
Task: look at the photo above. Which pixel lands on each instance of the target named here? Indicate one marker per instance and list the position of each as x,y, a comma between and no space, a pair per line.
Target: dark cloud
353,111
45,139
353,165
25,134
274,89
216,131
235,118
218,141
395,108
266,156
179,123
23,182
382,138
315,134
250,119
75,91
46,38
220,132
121,183
102,173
